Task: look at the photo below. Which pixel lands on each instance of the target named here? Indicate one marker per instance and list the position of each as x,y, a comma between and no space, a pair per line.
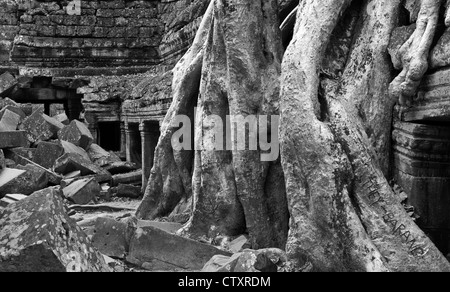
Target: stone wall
101,34
113,33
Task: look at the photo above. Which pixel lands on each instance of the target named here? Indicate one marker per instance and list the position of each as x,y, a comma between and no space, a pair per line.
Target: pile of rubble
37,151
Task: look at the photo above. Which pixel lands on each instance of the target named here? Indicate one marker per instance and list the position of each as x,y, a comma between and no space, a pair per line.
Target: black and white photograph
220,143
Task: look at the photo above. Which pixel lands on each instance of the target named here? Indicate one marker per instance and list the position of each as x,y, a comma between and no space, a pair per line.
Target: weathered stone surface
440,56
127,178
13,139
72,148
40,127
15,109
9,121
37,235
120,167
265,260
47,153
21,155
149,244
399,36
128,191
170,227
77,133
71,162
2,160
62,118
10,199
6,81
422,163
110,237
7,175
82,191
32,180
240,243
100,156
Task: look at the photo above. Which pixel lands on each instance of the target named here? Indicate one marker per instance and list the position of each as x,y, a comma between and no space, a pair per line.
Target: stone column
92,125
147,154
123,138
128,141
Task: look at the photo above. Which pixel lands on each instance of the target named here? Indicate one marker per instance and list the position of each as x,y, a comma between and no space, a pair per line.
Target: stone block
18,110
7,175
2,160
10,199
127,178
13,139
120,167
6,81
72,162
82,191
128,191
62,118
100,156
77,133
20,155
47,153
40,127
150,244
74,149
110,237
264,260
9,121
37,235
32,180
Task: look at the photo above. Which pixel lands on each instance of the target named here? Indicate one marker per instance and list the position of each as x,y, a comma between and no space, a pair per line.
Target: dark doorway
109,135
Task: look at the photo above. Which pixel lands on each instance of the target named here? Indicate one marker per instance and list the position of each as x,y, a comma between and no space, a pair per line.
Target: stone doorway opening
109,136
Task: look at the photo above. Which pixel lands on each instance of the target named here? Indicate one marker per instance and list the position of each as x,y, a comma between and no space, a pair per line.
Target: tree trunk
331,89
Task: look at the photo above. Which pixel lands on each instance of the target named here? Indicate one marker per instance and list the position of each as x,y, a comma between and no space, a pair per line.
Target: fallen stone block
239,244
127,178
73,174
40,127
20,155
47,153
10,199
15,155
2,160
120,167
7,175
7,81
32,180
37,235
15,109
110,237
13,139
82,191
77,133
170,227
264,260
72,148
127,191
72,162
150,244
62,118
9,121
100,156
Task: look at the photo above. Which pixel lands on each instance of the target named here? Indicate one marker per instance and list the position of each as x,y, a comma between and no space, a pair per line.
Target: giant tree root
344,215
414,53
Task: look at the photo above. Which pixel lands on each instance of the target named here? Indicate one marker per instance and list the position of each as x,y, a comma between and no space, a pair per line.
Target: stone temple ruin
84,88
421,140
